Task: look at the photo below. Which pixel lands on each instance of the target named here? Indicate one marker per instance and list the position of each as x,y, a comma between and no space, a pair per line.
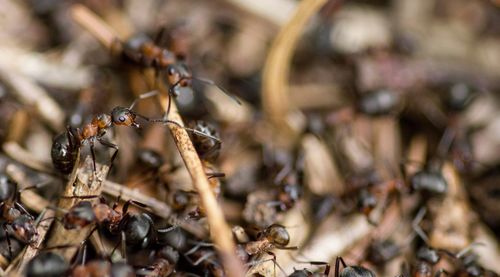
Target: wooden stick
275,79
83,184
221,233
31,94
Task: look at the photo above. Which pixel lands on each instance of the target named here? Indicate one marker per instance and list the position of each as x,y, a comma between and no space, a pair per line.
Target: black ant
206,257
351,271
426,258
63,150
47,264
16,217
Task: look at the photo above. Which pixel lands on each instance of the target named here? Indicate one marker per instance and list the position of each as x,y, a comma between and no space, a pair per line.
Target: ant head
79,215
47,264
7,187
123,116
149,158
379,102
430,181
277,234
428,254
24,229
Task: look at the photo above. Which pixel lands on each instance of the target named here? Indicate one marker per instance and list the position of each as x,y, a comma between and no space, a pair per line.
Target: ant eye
121,118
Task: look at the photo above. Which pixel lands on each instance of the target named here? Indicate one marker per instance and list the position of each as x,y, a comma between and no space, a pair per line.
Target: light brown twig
275,100
221,233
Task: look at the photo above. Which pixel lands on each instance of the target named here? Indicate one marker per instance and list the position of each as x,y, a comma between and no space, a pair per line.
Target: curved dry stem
275,100
221,233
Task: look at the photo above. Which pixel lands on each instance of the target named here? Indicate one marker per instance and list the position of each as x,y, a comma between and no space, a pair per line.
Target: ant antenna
143,96
205,81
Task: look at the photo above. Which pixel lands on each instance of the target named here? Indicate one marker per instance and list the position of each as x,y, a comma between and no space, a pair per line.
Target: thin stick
275,79
31,94
21,155
84,184
221,233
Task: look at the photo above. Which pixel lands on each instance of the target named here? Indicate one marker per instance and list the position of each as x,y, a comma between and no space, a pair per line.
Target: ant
63,150
136,229
351,271
147,53
16,217
47,264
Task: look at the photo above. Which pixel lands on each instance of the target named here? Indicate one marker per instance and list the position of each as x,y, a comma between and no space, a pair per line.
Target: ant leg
92,151
203,258
123,245
212,83
416,225
22,209
440,272
143,96
134,202
110,145
275,262
215,175
337,265
4,226
166,230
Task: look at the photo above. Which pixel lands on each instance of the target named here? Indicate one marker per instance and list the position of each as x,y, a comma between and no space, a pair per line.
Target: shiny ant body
15,215
208,149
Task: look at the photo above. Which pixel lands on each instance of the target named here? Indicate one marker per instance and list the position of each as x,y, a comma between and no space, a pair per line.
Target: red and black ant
136,229
17,220
147,53
65,147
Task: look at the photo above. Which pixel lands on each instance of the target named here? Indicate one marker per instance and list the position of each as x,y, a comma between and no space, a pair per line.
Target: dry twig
275,100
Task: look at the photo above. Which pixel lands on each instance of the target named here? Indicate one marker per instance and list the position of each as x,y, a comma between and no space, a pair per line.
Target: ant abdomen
64,151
